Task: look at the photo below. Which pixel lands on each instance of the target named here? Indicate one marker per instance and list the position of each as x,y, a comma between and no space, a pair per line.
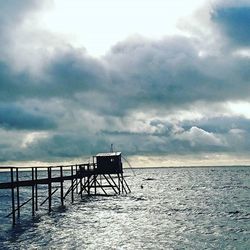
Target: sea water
169,208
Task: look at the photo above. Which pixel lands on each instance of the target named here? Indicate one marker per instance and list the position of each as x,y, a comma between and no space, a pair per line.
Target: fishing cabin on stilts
102,176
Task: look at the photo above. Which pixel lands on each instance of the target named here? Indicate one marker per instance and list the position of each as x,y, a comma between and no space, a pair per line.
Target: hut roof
109,154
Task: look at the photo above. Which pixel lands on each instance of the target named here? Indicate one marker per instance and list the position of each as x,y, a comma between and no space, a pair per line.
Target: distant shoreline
42,168
210,166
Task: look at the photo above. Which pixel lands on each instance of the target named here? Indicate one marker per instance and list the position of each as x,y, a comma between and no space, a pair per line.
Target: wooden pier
104,176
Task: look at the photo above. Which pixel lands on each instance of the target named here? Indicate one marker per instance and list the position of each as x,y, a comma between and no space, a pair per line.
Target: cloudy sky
168,82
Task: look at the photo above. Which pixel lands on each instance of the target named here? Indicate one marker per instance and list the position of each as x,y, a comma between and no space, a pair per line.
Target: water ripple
194,208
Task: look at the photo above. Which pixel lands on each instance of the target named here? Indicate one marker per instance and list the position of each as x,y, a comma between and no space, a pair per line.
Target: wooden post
119,183
13,197
49,188
126,186
61,175
122,182
88,180
76,180
110,184
95,176
72,183
36,191
81,182
33,192
17,193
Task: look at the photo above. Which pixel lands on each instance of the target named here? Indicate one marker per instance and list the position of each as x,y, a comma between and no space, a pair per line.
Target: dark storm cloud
14,117
72,71
13,85
170,72
234,23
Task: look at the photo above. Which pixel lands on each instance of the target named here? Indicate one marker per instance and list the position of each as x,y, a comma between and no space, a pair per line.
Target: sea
168,208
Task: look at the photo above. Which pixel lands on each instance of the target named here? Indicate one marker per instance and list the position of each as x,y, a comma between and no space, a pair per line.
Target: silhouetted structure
109,162
104,176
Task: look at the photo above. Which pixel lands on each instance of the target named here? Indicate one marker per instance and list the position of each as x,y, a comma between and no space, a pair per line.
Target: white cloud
197,136
240,108
32,138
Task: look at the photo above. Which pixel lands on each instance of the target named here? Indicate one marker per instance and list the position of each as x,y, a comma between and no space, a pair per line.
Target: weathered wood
13,197
72,183
17,193
49,188
126,184
19,207
122,183
36,190
49,197
61,195
33,192
119,183
112,179
81,183
110,184
88,181
27,183
76,177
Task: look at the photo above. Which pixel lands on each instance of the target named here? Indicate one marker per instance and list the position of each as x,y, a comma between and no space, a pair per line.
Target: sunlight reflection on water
193,208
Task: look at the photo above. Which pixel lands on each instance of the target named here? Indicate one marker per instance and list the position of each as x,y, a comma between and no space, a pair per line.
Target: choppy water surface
178,208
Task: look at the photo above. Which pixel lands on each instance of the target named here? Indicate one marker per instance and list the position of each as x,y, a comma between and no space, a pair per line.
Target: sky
167,82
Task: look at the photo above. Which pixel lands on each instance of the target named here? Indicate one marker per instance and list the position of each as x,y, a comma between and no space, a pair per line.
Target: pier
103,176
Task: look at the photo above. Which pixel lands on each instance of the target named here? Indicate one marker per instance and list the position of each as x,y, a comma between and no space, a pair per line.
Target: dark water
192,208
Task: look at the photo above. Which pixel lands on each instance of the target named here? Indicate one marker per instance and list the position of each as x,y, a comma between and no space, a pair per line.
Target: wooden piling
49,188
95,184
72,184
61,175
17,193
36,191
81,182
77,183
119,183
13,197
33,192
88,180
122,183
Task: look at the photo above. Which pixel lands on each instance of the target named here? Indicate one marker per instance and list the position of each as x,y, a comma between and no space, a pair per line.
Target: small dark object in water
149,179
141,186
234,212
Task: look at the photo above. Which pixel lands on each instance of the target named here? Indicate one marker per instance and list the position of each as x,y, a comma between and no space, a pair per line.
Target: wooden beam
61,194
13,197
33,192
49,188
36,190
72,183
17,193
